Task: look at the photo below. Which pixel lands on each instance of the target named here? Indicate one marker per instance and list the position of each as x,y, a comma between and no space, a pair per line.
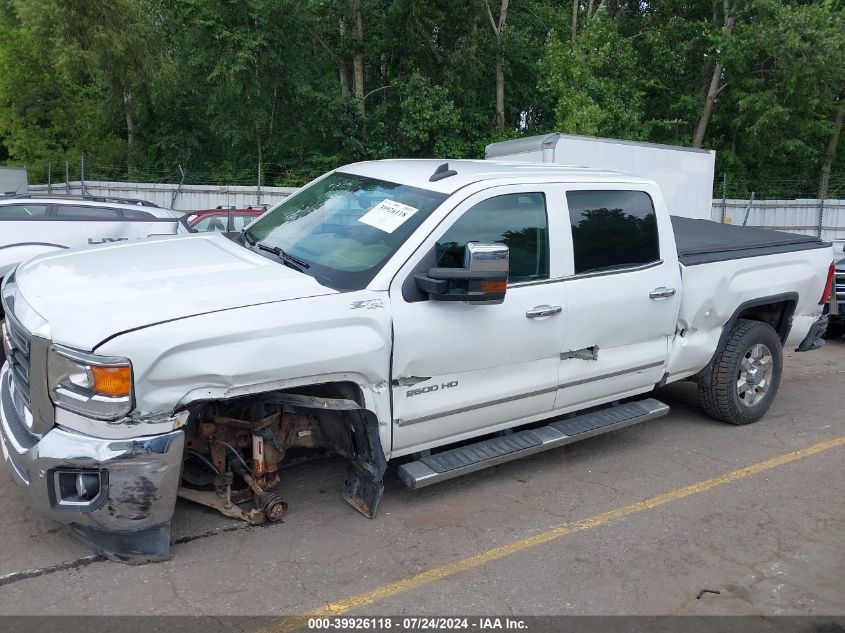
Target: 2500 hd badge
430,389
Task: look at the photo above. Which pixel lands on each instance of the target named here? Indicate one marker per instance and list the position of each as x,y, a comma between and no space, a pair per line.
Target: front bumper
128,518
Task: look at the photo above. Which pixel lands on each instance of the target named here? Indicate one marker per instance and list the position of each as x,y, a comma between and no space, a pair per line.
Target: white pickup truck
445,316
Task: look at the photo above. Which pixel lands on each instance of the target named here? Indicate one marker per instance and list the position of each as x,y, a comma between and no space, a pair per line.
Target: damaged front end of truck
236,450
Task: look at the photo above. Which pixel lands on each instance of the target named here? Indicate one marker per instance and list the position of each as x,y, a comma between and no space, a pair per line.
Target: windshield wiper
289,260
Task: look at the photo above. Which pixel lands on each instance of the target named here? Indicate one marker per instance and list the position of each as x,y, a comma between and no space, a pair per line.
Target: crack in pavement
17,576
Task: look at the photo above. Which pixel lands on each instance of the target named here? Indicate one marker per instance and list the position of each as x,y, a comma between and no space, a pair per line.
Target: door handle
543,311
661,293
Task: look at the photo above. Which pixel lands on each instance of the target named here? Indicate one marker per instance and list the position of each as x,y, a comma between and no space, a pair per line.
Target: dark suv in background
836,324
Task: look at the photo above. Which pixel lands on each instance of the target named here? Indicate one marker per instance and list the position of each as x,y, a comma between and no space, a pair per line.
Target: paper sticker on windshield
388,215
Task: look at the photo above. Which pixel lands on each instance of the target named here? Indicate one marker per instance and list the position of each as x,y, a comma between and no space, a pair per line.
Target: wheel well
776,311
325,404
252,437
344,390
777,314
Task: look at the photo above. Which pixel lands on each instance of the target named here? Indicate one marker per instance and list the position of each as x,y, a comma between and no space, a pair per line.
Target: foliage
142,87
595,81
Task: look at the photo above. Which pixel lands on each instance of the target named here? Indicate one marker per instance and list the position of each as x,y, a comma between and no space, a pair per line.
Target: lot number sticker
388,215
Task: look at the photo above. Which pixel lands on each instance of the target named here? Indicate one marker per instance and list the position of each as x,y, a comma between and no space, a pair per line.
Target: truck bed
705,241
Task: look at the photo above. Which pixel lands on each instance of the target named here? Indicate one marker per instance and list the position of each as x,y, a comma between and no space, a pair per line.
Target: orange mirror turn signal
494,285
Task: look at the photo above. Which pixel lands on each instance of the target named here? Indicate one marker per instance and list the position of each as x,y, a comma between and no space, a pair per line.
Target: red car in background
221,219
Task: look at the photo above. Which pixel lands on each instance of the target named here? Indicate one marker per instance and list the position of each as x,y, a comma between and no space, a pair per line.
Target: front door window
517,220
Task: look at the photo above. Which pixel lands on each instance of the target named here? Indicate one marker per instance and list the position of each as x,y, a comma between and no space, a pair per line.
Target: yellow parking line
388,590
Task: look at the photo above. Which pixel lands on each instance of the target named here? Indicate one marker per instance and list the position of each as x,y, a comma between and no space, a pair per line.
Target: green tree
142,87
785,73
595,81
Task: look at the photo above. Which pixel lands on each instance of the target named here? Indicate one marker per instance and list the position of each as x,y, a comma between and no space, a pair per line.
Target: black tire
719,396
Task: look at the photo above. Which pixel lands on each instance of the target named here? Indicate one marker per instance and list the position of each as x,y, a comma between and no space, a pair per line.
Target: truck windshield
344,227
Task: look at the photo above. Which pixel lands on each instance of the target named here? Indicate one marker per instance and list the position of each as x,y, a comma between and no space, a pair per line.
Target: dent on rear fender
713,292
696,337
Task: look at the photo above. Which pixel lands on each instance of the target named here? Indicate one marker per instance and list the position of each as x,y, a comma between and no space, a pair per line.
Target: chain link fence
86,169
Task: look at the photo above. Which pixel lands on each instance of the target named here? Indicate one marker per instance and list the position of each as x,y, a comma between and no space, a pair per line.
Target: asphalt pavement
639,521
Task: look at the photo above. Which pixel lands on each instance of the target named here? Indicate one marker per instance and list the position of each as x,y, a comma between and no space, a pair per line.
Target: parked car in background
222,219
33,225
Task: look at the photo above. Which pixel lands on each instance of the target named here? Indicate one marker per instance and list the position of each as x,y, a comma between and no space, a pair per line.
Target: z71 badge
106,240
369,304
431,388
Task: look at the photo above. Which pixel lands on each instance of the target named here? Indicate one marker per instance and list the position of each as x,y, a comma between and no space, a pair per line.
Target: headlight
95,386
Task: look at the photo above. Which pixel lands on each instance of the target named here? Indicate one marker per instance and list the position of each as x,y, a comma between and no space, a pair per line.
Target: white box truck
685,174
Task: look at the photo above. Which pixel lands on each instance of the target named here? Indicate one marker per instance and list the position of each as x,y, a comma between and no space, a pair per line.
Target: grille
15,419
19,363
840,286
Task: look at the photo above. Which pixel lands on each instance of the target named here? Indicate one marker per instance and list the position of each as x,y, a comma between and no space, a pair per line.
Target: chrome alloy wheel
754,375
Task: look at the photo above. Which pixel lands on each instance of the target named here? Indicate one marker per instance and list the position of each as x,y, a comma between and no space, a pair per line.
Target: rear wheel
745,376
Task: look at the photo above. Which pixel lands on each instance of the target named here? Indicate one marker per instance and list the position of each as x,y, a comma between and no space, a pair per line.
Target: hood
89,295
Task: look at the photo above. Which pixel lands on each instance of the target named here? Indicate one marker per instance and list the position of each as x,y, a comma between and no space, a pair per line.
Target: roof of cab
417,172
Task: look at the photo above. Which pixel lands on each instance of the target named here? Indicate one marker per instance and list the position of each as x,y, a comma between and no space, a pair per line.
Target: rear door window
216,222
612,230
135,214
80,212
239,221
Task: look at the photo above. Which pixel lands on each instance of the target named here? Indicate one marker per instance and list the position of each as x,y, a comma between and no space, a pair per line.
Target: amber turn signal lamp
494,285
112,381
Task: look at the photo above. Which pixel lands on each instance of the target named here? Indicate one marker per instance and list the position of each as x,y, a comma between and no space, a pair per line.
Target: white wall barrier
186,197
825,218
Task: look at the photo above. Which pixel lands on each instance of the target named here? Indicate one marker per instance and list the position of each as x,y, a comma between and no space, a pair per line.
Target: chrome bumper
128,517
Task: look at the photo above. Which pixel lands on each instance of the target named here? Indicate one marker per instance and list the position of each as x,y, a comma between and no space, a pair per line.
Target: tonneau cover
705,241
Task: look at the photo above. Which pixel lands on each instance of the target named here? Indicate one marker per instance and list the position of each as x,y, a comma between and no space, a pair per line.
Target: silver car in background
30,226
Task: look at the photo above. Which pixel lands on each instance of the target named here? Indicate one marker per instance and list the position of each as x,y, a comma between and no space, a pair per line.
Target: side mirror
483,279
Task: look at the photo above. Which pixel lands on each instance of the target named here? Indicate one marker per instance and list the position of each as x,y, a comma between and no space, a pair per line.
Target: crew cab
447,316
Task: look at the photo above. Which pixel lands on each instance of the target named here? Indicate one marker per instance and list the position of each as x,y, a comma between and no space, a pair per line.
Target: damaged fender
363,488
